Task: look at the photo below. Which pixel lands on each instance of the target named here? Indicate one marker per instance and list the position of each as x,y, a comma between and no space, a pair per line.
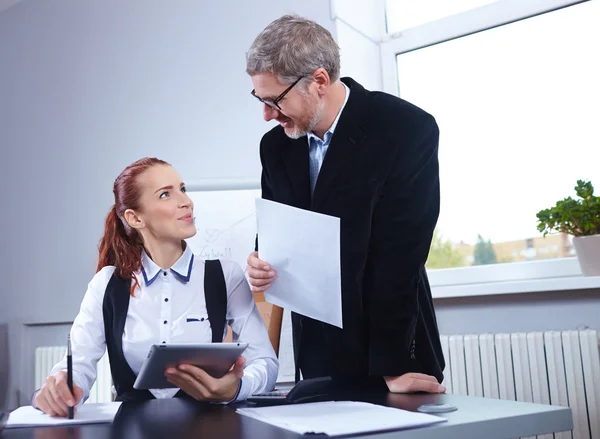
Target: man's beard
302,127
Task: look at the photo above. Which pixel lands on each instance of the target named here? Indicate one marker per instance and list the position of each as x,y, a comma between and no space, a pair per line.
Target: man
370,159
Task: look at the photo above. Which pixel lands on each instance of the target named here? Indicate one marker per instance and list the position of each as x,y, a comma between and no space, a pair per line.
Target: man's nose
269,113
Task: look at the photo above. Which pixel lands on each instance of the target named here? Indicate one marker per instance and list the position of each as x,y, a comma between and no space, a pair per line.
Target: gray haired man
370,159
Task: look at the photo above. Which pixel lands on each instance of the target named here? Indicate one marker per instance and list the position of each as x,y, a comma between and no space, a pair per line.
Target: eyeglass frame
274,103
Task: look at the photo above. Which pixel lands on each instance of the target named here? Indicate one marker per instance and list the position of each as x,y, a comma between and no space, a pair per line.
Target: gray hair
292,47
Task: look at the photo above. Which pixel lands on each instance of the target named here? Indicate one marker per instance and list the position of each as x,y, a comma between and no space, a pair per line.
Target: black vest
115,307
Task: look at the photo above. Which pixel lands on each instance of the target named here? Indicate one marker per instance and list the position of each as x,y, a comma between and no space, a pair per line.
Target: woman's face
166,212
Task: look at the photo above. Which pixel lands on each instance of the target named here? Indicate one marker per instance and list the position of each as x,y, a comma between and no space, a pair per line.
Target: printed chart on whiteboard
225,223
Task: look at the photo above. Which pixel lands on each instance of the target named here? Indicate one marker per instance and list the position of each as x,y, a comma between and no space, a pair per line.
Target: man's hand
55,398
260,273
414,382
201,386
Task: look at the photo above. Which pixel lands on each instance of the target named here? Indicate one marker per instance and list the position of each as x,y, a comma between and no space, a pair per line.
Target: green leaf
577,217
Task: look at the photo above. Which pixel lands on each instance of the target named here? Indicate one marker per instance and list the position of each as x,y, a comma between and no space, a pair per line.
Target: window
514,103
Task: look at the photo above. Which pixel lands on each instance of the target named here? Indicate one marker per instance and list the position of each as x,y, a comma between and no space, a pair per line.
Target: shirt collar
331,129
182,268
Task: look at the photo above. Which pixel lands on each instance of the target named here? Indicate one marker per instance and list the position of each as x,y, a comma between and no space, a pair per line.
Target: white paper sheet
339,417
303,247
89,413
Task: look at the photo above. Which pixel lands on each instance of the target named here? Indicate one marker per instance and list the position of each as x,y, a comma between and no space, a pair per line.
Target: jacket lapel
347,140
297,165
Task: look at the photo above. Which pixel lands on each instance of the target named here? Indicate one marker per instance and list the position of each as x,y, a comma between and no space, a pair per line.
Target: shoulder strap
115,307
215,293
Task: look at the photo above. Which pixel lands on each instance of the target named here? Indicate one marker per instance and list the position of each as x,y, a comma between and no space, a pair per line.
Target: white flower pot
587,249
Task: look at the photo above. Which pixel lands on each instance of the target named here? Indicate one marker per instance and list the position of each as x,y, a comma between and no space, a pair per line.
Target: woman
149,289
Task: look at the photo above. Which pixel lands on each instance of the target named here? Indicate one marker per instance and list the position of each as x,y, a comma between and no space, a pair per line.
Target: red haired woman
149,289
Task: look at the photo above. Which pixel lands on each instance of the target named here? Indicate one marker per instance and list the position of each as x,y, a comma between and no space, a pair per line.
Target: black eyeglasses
274,103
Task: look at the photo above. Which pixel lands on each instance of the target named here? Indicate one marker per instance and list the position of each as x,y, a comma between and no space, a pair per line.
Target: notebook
91,413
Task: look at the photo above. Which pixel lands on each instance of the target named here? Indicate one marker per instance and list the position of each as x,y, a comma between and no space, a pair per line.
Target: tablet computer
215,358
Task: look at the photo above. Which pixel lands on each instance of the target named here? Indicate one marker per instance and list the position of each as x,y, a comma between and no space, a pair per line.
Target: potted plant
579,218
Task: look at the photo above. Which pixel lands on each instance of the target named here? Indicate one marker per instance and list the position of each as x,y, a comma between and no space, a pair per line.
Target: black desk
179,418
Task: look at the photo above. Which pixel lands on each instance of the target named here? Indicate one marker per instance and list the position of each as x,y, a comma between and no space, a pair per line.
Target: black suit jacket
380,176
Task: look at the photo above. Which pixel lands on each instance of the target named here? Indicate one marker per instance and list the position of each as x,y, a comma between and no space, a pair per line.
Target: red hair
121,246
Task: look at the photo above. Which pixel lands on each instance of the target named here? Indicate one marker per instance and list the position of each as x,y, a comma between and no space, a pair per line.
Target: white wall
85,89
360,24
530,312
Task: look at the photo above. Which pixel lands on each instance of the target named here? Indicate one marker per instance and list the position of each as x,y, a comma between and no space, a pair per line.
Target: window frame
465,23
451,280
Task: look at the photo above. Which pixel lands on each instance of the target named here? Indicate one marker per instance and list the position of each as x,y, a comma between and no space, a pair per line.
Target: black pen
70,372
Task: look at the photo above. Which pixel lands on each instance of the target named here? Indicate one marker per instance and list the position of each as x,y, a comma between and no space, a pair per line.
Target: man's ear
322,79
133,219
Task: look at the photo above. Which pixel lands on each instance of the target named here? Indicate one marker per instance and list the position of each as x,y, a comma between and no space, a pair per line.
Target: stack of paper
339,418
303,247
28,416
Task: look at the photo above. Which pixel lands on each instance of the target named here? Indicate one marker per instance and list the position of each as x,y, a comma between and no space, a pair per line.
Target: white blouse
171,308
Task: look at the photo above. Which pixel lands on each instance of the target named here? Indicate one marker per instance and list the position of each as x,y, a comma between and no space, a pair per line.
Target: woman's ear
133,219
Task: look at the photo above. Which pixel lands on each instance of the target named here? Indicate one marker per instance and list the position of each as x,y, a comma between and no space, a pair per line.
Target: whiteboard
225,219
225,223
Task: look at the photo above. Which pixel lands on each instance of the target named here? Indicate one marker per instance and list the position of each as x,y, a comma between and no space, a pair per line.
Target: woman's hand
201,386
55,398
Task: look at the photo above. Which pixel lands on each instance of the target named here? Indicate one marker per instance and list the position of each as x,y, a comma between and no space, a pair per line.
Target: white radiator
558,368
47,356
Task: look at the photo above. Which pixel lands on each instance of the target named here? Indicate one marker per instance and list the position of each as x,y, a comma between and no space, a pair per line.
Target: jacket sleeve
265,183
401,233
